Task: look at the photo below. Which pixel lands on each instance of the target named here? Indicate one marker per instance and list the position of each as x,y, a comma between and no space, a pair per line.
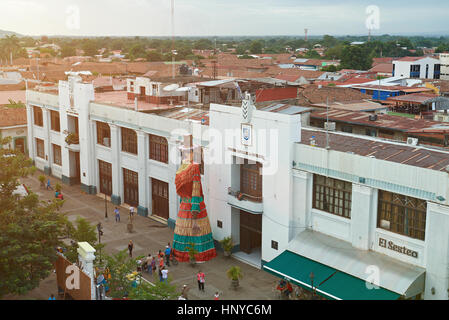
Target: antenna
327,120
173,36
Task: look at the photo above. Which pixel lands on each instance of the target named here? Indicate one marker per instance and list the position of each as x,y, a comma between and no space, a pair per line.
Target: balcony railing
245,201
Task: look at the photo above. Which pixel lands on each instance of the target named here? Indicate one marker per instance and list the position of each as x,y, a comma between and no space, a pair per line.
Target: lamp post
100,233
105,202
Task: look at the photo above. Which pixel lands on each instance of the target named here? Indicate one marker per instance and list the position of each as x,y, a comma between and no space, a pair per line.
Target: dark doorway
77,177
105,177
159,192
20,144
131,187
250,231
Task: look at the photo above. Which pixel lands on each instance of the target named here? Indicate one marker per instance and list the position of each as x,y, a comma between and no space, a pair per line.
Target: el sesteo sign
394,247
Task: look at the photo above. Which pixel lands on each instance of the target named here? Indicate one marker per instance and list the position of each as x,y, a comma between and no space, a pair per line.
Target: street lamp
100,233
105,202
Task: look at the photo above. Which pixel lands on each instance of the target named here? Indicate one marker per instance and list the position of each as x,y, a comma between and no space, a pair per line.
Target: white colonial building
350,217
417,67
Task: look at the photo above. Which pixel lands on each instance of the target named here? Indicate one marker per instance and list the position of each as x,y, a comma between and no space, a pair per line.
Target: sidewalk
150,236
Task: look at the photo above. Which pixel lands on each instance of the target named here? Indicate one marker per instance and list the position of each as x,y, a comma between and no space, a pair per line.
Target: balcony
72,141
246,202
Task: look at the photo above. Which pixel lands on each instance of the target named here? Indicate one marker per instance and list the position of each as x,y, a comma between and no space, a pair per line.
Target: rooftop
385,121
370,147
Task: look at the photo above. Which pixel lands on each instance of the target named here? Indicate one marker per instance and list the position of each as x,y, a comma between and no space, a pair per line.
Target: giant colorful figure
192,223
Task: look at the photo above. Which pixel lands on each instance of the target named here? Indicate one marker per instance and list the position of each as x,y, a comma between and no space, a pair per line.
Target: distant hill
4,33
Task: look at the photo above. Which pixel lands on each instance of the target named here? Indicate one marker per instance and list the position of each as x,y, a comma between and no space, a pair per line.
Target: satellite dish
184,89
171,87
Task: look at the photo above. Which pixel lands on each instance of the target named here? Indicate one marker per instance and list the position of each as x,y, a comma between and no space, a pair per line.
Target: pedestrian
160,274
167,255
52,297
161,262
60,196
117,214
201,280
216,296
147,264
184,292
153,265
131,213
49,185
130,248
164,272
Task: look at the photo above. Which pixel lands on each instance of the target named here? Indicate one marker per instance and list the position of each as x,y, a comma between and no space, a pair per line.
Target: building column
437,251
115,163
86,256
361,213
142,158
301,219
174,157
30,133
47,142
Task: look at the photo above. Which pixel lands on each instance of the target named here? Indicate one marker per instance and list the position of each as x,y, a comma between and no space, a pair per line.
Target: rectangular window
332,195
105,169
38,117
158,148
55,123
40,149
57,159
103,134
402,214
347,129
129,140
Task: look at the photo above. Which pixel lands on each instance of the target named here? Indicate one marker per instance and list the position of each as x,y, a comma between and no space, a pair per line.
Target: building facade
417,67
354,211
444,59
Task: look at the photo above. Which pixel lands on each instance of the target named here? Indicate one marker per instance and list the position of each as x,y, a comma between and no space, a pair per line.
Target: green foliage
41,179
329,68
81,231
68,51
160,291
234,273
356,57
58,187
227,244
256,47
30,229
15,105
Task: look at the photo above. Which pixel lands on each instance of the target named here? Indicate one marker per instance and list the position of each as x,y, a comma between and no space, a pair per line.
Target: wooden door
250,231
159,192
20,144
251,181
105,177
77,167
131,187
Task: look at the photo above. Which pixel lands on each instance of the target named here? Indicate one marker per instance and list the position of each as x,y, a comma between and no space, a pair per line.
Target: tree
82,231
356,57
90,48
30,230
68,51
256,47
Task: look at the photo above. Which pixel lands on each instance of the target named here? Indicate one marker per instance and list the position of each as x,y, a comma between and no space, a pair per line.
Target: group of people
160,262
117,214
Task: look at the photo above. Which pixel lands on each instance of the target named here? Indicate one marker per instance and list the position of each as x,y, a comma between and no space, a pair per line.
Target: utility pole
173,36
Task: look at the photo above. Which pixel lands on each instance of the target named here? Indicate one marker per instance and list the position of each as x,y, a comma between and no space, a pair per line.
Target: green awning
329,282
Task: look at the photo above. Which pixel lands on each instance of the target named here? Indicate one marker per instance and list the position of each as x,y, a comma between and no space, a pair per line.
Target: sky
223,17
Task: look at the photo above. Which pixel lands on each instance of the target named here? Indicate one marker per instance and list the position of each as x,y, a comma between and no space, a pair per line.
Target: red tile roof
12,116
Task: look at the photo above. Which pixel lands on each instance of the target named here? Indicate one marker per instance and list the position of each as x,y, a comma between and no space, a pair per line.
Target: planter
227,254
235,283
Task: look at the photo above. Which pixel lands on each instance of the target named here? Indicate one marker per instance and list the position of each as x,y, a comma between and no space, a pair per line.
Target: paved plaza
150,236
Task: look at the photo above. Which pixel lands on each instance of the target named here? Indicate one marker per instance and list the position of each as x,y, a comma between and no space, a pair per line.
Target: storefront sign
391,246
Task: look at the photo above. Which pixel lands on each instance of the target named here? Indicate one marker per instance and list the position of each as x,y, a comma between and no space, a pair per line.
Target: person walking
153,265
117,214
147,264
130,248
201,280
131,213
216,296
167,255
48,184
52,297
164,272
